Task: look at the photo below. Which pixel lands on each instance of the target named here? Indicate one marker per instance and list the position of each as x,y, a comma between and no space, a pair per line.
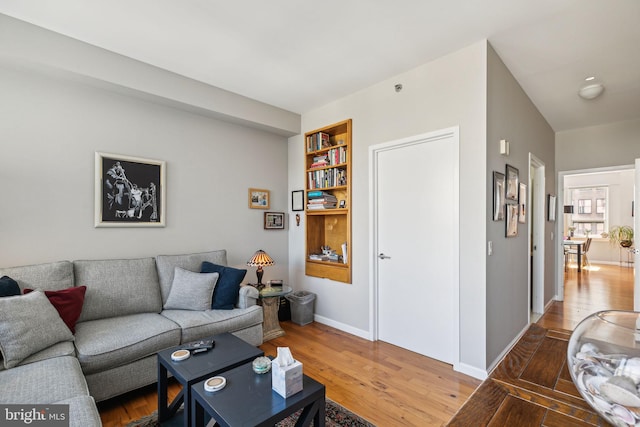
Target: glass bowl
603,356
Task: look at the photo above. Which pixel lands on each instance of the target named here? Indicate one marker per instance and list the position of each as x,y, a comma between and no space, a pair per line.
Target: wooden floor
392,386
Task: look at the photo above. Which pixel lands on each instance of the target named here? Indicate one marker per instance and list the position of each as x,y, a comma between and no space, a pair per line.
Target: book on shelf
318,193
318,141
323,200
315,207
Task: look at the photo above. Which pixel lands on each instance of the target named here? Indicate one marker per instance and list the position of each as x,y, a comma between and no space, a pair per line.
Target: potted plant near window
621,235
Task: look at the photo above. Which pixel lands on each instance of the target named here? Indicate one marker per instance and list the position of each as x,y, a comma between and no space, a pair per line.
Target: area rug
335,416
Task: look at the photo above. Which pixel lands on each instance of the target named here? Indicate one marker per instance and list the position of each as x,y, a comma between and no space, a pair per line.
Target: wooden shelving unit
328,183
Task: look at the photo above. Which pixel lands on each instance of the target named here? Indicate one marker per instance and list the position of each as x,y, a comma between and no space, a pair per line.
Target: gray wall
53,123
512,116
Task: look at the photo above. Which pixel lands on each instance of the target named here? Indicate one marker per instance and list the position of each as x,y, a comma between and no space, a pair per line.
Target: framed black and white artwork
498,196
522,202
129,191
512,184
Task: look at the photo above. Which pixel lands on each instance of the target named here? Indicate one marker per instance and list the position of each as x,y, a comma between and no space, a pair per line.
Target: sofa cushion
51,276
29,323
68,303
192,262
225,294
8,287
83,411
44,382
191,291
118,287
200,324
106,343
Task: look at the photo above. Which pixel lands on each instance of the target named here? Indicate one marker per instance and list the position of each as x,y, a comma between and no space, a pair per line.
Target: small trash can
284,310
301,307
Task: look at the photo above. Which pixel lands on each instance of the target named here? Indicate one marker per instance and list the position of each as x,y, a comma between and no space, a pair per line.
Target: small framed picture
512,220
522,202
551,207
512,184
342,204
297,200
274,220
258,198
498,196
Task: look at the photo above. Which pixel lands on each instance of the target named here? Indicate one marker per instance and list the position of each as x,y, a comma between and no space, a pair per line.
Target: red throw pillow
68,302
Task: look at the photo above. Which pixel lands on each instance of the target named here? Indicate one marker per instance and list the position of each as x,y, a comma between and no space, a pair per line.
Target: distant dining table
578,244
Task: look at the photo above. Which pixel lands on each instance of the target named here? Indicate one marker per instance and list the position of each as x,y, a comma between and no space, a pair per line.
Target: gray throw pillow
191,290
29,324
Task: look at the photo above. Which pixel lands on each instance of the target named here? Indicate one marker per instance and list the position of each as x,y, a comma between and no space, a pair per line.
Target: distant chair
583,254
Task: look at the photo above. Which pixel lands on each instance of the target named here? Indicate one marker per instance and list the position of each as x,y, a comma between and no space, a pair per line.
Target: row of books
335,156
321,200
326,178
318,141
322,257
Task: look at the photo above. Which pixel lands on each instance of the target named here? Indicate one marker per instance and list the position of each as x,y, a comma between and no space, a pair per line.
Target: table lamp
260,259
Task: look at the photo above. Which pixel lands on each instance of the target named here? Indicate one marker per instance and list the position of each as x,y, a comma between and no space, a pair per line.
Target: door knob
383,256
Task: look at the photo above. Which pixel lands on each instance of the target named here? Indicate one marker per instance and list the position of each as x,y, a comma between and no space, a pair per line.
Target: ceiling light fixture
591,91
590,78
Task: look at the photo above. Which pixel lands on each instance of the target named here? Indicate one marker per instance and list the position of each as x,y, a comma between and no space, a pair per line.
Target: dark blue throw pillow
8,287
225,294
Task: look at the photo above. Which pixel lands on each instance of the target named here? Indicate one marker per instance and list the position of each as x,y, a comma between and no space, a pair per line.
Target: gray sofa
123,324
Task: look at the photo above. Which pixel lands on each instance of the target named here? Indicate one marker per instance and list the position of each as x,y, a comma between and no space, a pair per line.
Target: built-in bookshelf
328,202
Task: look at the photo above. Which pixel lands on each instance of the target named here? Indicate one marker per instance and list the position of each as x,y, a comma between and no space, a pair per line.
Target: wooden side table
270,297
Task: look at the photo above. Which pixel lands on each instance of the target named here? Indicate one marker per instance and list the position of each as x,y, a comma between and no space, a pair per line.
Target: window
586,220
584,206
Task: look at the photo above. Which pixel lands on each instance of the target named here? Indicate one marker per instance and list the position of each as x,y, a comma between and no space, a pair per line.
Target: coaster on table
215,384
179,355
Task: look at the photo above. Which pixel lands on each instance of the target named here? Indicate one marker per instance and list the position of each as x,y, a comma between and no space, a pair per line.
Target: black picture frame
498,196
297,200
551,207
129,191
512,184
274,220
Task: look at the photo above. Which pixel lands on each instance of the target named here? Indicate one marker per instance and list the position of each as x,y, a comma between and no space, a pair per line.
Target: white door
416,212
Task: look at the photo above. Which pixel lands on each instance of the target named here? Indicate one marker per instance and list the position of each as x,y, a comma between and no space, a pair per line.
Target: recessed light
588,79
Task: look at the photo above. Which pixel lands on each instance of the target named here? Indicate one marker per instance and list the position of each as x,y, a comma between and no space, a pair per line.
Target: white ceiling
302,54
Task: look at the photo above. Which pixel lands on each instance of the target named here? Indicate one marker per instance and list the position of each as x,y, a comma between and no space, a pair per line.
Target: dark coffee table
248,400
229,352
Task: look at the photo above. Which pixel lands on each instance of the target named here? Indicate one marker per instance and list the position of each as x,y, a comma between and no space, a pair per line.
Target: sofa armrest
248,296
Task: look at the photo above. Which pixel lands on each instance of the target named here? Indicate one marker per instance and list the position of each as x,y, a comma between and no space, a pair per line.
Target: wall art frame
274,220
512,220
297,200
498,196
522,202
551,207
259,198
129,191
511,191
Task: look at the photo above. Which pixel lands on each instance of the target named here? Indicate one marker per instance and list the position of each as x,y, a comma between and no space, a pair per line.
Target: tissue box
286,381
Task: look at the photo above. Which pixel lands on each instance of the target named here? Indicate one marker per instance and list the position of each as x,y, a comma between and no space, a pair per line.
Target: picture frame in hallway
512,184
129,191
258,198
498,196
522,203
274,220
551,207
512,220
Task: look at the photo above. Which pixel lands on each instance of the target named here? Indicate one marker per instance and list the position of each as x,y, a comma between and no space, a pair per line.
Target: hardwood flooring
391,386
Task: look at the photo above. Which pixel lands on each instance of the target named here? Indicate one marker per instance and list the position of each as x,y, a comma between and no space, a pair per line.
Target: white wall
621,185
50,129
447,92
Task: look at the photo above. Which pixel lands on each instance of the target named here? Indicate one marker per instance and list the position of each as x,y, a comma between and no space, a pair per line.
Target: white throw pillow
190,290
29,324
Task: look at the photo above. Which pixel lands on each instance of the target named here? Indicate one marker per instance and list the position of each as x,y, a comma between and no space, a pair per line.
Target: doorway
415,244
536,236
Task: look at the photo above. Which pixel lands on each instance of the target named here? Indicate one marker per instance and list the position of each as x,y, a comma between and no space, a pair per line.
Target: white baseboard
472,371
345,328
